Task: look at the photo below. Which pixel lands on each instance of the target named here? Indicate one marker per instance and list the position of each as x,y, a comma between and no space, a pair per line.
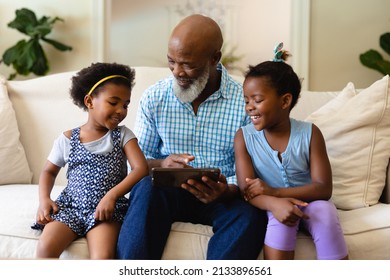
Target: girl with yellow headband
93,204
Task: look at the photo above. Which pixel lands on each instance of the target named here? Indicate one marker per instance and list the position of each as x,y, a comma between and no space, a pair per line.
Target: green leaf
29,56
26,59
24,21
39,31
374,60
12,76
52,21
12,54
384,67
41,65
57,45
25,56
45,26
370,58
384,42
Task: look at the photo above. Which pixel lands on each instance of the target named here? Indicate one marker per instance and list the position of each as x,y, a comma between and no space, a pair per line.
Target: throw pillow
357,137
14,168
336,103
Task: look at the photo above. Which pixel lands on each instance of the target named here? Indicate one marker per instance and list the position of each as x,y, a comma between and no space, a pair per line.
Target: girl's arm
243,162
46,183
284,209
139,169
245,170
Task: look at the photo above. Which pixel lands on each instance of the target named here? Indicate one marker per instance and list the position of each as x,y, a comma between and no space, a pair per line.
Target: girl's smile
255,119
109,107
266,109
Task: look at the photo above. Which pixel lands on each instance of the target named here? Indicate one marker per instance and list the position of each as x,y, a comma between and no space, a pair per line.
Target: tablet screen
174,177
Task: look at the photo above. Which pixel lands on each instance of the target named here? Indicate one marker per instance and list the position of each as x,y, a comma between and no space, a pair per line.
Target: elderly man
189,120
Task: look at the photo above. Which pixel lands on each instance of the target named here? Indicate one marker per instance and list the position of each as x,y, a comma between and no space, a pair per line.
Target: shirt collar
222,92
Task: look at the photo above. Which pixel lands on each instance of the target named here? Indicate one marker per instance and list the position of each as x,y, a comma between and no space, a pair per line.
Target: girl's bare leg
274,254
55,238
102,240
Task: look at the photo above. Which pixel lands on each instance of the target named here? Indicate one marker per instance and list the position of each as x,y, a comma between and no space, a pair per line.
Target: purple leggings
323,225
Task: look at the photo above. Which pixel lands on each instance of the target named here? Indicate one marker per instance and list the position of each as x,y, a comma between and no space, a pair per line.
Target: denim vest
294,168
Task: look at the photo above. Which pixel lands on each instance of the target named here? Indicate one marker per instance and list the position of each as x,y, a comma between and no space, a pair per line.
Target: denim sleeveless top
294,168
90,177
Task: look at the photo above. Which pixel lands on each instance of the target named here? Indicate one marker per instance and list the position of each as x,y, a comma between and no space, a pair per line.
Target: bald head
197,32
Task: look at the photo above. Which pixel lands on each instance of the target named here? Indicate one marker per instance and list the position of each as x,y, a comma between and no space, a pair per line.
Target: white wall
140,29
76,31
340,32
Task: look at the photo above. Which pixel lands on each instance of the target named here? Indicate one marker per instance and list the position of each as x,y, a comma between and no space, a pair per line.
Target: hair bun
280,54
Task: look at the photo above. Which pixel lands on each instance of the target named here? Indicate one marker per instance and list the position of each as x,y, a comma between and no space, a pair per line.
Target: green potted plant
28,56
374,60
229,58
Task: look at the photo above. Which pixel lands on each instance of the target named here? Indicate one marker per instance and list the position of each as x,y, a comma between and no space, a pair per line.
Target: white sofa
40,109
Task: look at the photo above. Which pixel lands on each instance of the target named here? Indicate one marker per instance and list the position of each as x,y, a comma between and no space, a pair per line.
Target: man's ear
216,57
88,101
286,100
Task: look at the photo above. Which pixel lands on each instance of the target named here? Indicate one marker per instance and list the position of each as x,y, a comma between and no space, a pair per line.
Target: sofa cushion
310,101
17,239
357,135
336,103
13,166
44,110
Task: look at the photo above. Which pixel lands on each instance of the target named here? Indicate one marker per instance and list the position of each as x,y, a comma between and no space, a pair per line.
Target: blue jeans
239,228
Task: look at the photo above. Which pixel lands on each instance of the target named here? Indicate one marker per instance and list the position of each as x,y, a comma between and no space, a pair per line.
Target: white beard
195,89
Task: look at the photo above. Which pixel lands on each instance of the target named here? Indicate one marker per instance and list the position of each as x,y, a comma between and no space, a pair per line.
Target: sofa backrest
44,110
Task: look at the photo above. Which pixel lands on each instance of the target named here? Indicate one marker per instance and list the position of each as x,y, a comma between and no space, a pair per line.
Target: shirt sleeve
145,126
233,179
60,151
126,135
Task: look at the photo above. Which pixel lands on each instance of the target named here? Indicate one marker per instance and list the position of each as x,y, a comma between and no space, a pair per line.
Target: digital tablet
174,177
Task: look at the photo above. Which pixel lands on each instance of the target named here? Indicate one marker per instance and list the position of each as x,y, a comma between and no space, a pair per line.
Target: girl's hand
257,187
45,209
285,210
105,209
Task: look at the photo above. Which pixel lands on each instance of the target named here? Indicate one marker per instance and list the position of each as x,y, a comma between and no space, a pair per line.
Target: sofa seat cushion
186,241
18,205
189,241
365,219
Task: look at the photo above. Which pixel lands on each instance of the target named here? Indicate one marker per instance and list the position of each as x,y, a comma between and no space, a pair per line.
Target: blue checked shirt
167,126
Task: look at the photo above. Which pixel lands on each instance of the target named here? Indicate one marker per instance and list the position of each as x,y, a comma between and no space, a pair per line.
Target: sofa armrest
385,198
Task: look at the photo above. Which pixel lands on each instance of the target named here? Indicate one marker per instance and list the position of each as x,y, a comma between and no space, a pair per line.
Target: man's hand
177,161
207,190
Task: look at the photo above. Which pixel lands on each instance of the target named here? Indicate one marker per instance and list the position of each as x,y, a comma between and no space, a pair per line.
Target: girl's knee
46,249
324,210
103,255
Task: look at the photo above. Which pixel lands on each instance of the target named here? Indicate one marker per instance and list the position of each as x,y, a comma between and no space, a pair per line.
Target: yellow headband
105,79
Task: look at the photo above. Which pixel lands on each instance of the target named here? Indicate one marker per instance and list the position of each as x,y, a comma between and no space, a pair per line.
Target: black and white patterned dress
90,176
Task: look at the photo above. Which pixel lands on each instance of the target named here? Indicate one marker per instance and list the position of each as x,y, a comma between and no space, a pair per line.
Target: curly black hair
87,77
280,76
